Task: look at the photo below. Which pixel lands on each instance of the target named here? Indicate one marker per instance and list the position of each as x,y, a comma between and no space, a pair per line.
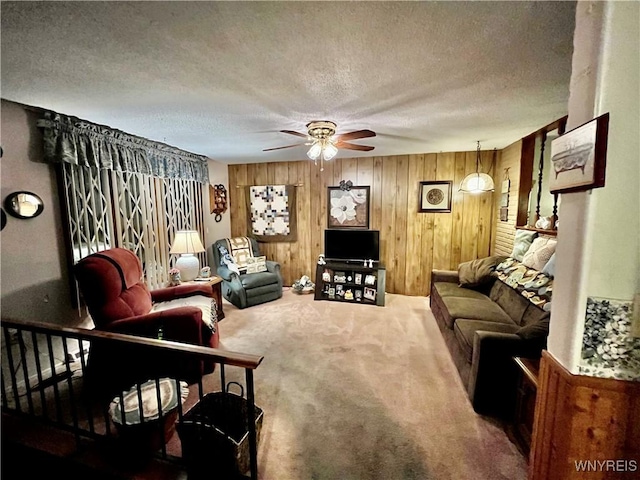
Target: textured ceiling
222,78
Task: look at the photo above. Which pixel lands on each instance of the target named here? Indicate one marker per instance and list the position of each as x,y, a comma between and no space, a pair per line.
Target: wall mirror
23,204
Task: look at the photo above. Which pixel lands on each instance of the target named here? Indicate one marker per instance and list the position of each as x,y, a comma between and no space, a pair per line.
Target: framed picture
578,157
435,196
504,193
358,295
370,280
369,294
348,208
332,292
327,275
504,214
339,277
358,278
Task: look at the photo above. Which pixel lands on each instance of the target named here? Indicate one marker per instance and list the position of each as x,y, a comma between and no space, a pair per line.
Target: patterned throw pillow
539,252
521,243
256,264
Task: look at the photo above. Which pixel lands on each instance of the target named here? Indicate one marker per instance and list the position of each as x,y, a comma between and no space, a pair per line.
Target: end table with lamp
187,244
216,286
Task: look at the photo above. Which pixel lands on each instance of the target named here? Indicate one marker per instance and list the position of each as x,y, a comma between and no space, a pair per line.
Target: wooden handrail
244,360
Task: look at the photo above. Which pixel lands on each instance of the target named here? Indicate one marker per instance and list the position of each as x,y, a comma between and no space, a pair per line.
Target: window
111,208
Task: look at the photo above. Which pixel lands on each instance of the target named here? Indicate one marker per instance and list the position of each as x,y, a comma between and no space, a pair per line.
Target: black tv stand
351,281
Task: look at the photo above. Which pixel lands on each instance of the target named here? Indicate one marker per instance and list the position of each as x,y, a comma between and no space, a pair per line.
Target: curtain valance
72,140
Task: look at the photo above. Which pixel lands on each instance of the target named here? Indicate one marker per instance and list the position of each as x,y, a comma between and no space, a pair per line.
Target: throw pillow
539,252
256,264
550,266
521,243
478,272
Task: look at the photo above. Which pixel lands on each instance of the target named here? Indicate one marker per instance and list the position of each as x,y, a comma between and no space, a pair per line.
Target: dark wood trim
539,230
527,162
582,418
243,360
526,177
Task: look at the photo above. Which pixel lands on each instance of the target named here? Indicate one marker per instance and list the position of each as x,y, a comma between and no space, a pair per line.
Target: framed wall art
435,196
348,208
578,157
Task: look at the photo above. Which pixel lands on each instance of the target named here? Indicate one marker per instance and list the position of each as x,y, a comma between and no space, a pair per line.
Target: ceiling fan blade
356,134
280,148
297,134
353,146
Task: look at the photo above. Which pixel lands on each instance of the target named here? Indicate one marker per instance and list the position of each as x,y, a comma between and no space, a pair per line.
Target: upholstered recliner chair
111,284
242,285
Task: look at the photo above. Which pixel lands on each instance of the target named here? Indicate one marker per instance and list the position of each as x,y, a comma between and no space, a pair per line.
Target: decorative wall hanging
579,156
348,208
504,197
217,200
272,213
346,185
24,204
435,197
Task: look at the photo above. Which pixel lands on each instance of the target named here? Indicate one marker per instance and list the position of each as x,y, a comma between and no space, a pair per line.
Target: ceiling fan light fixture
315,151
329,151
477,182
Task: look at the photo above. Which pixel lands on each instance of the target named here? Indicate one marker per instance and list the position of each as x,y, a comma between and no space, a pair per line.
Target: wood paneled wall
580,419
412,243
505,231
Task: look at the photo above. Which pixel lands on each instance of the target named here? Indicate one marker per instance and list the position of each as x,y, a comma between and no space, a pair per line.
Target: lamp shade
187,241
477,183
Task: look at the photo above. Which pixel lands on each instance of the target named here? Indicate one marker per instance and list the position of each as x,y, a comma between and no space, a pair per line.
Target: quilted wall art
272,213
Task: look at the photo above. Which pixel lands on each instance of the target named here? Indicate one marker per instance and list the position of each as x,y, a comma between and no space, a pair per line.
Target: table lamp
187,243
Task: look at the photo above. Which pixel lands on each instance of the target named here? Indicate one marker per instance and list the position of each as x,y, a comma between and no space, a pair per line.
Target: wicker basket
215,434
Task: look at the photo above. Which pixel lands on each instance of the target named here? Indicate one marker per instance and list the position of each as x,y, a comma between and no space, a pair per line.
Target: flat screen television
354,245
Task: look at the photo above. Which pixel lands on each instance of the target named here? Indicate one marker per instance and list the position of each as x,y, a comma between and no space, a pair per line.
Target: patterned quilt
531,284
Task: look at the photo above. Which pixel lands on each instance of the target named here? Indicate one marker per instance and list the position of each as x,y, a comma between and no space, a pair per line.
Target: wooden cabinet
348,282
581,418
521,429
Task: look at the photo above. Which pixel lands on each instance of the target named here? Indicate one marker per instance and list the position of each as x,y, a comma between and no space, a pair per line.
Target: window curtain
78,142
119,190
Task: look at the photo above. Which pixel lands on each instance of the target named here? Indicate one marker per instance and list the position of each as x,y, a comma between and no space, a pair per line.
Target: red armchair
111,283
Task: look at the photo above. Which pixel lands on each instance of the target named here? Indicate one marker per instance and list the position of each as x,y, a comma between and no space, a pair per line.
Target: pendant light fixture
477,182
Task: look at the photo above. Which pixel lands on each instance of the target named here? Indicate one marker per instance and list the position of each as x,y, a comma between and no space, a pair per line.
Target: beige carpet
353,391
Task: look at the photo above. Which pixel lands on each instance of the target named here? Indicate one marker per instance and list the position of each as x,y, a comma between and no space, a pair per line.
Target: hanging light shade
329,151
477,182
315,150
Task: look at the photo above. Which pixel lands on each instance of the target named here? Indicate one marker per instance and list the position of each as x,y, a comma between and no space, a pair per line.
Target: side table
522,428
216,287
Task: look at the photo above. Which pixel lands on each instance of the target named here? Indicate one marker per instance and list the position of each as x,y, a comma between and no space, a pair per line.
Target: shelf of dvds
350,282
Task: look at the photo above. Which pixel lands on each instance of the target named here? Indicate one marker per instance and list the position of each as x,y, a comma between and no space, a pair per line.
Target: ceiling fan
321,136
